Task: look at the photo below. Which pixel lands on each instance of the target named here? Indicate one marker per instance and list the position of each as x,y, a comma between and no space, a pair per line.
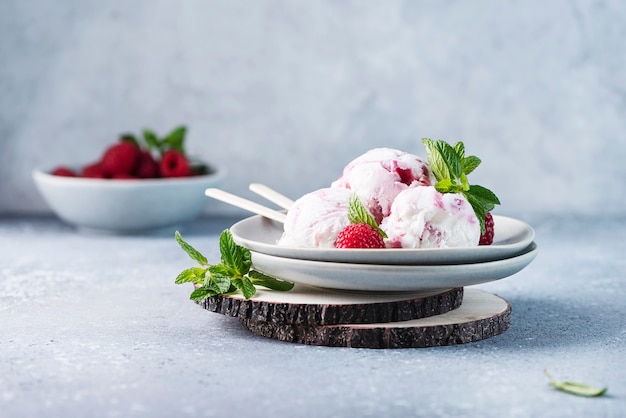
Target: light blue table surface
94,326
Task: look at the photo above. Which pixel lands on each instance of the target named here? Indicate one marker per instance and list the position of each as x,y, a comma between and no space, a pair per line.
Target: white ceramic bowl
125,206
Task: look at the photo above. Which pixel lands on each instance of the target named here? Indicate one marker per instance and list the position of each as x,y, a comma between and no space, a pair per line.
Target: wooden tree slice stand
482,315
314,316
305,305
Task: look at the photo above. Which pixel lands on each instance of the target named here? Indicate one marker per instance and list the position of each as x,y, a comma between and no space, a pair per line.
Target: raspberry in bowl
132,188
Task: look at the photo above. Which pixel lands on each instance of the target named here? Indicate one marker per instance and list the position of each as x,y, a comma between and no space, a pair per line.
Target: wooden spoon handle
271,195
246,204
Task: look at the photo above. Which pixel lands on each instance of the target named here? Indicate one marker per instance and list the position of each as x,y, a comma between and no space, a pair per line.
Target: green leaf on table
576,388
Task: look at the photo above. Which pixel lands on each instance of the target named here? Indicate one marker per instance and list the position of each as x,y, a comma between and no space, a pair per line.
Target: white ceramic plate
390,278
260,234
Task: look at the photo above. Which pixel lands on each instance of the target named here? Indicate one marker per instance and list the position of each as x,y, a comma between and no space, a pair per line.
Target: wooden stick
246,204
271,195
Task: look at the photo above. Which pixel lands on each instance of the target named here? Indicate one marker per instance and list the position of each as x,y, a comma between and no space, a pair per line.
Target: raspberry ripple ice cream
316,219
380,174
397,189
422,217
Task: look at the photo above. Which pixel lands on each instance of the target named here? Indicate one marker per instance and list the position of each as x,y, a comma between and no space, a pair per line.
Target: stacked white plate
388,270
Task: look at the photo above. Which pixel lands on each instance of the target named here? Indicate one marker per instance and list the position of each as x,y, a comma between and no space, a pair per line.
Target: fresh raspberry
487,237
93,171
146,167
120,159
359,236
63,172
174,164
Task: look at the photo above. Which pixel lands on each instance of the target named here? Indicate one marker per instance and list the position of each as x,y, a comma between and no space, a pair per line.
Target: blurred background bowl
125,206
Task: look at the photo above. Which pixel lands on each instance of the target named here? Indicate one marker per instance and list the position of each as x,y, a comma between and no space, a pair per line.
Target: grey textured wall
287,92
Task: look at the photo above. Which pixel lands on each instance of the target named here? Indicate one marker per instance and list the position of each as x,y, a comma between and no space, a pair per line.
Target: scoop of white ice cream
380,174
316,219
422,217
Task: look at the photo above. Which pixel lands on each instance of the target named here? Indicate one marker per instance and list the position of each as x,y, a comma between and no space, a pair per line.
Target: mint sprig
358,214
175,140
451,168
575,388
232,274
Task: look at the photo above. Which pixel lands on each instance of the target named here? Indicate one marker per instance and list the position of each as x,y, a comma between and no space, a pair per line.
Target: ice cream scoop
421,217
315,219
380,174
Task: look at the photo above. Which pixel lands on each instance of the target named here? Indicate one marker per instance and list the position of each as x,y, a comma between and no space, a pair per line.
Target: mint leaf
201,293
464,186
194,275
480,208
436,161
459,147
358,214
192,252
222,270
198,167
270,282
220,284
484,194
152,141
228,249
220,276
445,186
576,388
451,168
245,285
445,161
231,275
482,200
469,164
450,157
175,139
234,256
129,138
